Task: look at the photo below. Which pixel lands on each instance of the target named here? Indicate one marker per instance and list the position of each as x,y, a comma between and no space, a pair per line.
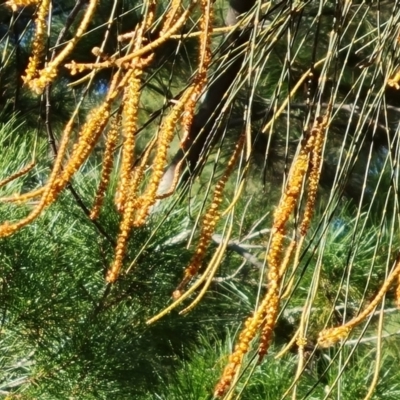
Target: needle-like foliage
258,140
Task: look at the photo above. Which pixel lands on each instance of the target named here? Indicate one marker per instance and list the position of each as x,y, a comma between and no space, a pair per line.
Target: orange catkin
265,316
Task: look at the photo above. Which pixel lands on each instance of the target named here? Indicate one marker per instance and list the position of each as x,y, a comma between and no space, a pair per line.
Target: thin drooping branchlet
329,337
209,222
126,199
150,15
165,136
138,171
265,316
287,257
130,103
128,217
107,165
145,50
89,135
129,127
38,44
49,73
18,174
271,309
200,81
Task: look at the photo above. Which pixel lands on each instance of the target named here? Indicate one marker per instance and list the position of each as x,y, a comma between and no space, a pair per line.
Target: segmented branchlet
123,237
126,195
331,336
265,316
209,222
144,51
131,102
107,165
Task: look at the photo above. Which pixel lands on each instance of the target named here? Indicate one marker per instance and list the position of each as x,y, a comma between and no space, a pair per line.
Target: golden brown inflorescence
330,336
16,4
209,222
133,199
264,318
39,42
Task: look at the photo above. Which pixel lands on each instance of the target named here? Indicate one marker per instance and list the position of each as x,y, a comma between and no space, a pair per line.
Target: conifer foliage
133,134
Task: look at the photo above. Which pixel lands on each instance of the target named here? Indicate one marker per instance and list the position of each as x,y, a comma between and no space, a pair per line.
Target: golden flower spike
15,4
123,237
49,73
205,55
329,337
18,174
210,221
129,127
265,316
108,160
22,198
39,42
166,134
171,16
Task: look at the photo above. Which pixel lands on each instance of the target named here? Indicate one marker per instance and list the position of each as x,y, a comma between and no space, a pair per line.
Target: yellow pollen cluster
329,337
123,237
171,16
